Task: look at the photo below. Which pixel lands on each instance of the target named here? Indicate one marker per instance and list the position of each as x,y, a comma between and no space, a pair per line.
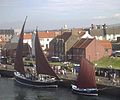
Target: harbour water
11,91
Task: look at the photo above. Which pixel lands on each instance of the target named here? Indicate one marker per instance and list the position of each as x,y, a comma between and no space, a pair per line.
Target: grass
56,63
104,63
109,61
67,66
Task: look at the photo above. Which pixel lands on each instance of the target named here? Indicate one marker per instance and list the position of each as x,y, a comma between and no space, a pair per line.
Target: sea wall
6,73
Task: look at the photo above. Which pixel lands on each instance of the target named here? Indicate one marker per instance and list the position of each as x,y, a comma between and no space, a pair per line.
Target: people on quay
114,81
118,82
106,73
114,75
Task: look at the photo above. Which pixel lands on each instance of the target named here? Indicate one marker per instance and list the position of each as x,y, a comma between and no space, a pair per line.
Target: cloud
56,11
64,5
10,3
112,19
117,15
114,16
100,17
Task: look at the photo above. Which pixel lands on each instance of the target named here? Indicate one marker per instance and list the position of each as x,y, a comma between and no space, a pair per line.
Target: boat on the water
44,75
85,83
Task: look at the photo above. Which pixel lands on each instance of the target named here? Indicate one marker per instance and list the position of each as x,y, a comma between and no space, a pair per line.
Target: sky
54,14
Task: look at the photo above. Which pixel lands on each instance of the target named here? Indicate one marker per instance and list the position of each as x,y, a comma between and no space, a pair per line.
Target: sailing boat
85,83
44,76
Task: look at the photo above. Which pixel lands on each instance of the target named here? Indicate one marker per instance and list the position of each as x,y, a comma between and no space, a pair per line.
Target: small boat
85,83
44,75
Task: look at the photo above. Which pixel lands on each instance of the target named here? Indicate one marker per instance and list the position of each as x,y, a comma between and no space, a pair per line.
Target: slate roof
7,31
113,30
64,36
83,43
109,30
13,46
96,32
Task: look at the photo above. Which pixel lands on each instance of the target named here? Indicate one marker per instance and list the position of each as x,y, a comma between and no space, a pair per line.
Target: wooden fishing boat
85,83
44,75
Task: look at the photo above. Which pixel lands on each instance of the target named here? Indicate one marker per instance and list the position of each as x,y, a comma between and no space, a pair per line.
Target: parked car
55,59
116,54
3,60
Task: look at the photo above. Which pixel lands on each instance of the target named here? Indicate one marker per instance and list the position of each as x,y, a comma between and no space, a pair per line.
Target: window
41,39
106,50
46,46
77,50
42,45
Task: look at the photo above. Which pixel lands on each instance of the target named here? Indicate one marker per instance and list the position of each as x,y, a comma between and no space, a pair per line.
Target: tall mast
19,65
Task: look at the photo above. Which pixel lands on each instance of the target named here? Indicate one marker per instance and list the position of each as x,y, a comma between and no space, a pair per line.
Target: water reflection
21,95
88,98
11,91
39,97
100,97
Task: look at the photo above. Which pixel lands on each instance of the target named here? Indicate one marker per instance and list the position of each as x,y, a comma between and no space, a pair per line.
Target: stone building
61,44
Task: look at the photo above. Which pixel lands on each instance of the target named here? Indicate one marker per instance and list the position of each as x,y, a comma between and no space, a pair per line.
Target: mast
19,65
42,65
86,76
33,44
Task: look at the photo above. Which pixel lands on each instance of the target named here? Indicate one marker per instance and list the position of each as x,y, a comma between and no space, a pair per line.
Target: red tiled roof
1,40
41,35
27,36
105,43
46,34
83,43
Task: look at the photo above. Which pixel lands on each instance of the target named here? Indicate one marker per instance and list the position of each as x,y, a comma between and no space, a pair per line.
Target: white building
112,33
45,38
87,35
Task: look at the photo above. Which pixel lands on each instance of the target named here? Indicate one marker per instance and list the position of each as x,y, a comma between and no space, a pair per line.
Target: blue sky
54,14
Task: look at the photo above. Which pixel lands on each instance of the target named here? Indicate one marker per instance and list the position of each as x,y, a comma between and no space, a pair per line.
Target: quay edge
66,83
7,73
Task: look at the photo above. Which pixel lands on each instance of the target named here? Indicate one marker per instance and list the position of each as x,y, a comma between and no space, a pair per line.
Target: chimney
47,31
104,30
92,26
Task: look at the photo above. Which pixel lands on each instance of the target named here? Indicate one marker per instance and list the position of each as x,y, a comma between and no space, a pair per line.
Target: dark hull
33,83
87,92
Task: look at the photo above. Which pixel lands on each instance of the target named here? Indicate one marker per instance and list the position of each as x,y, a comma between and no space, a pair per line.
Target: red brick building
91,49
107,46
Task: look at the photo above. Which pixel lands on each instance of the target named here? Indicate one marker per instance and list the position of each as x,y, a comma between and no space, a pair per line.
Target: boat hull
34,83
87,92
